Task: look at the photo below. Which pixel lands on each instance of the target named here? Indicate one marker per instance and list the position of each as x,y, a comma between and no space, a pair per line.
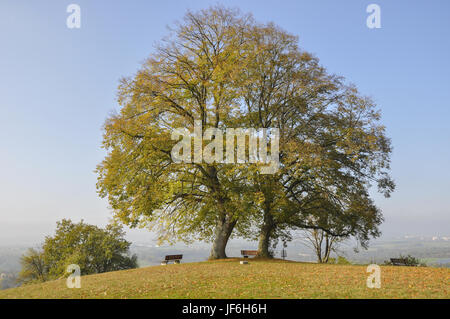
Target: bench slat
249,252
173,257
399,262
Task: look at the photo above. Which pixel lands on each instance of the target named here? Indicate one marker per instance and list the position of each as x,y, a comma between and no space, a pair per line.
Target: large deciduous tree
332,145
220,69
191,78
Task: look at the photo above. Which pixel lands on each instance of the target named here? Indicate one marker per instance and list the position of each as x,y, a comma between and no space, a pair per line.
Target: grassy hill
259,279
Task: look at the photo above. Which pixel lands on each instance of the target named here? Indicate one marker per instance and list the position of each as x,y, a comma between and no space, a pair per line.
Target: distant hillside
10,258
259,279
10,265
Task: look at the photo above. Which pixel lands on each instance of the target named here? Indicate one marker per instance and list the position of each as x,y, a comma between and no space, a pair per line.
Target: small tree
322,243
33,267
94,249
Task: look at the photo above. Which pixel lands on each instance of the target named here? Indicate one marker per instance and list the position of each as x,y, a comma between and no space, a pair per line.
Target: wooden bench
175,258
399,262
247,253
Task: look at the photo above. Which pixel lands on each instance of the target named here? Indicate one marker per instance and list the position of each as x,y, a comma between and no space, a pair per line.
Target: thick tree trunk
225,223
223,230
266,232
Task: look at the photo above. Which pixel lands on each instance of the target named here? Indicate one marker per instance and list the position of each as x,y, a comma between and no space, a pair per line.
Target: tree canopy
221,69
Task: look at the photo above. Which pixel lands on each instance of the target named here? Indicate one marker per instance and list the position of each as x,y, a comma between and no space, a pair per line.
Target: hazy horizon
33,234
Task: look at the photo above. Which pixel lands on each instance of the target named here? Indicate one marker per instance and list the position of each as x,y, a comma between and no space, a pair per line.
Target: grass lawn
259,279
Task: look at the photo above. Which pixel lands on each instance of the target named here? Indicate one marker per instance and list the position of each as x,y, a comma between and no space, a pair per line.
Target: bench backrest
398,261
249,252
174,257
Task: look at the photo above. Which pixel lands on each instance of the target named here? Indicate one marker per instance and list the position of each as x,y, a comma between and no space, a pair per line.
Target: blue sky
57,86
